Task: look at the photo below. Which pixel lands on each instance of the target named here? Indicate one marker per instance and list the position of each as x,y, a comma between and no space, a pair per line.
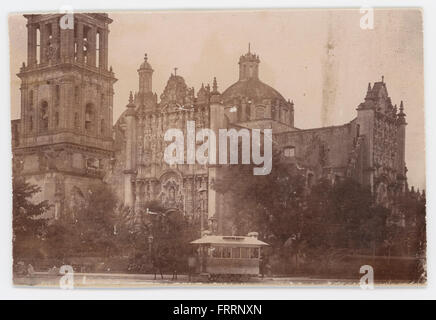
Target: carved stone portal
171,195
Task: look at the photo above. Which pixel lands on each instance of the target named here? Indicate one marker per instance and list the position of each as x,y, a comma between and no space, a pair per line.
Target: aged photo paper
219,148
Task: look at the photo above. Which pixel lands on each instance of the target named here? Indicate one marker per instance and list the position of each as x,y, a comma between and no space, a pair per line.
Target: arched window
38,46
248,111
57,93
43,116
76,94
102,128
76,120
89,118
85,48
31,123
85,53
172,194
285,116
260,112
273,113
56,119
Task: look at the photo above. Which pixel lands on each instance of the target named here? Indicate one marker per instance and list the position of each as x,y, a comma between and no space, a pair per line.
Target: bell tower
65,139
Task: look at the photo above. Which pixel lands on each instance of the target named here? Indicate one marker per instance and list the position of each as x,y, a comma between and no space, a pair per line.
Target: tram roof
230,240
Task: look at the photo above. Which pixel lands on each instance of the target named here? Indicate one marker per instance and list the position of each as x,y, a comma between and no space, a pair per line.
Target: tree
28,222
88,231
270,204
341,219
322,222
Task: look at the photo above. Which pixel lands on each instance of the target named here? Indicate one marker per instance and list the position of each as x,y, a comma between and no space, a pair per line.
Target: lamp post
202,192
150,244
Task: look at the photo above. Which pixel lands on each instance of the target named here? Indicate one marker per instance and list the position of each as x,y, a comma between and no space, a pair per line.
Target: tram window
254,253
217,252
210,251
245,253
227,253
236,253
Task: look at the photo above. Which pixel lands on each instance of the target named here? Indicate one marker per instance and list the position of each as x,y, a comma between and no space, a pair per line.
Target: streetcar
232,258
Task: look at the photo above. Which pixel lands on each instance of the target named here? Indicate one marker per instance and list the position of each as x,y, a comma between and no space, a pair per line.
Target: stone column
31,45
43,43
92,46
66,44
79,41
130,165
55,39
24,109
67,109
105,48
110,107
101,51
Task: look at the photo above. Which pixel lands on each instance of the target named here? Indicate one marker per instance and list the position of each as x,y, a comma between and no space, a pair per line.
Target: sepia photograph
219,148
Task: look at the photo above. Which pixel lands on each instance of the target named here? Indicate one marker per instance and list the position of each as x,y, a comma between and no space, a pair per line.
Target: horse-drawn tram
232,258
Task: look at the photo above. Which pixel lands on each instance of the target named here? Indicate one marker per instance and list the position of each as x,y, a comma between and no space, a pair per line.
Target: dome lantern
145,72
249,66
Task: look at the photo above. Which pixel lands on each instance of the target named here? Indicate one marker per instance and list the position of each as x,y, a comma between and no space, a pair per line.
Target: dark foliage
28,222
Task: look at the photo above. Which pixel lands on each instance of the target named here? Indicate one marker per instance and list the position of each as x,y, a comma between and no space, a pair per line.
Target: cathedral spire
214,86
130,99
401,114
368,92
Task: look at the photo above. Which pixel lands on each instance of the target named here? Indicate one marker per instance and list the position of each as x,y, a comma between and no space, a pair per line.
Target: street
111,280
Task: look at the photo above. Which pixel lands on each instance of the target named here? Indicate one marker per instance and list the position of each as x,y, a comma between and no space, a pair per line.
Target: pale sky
292,45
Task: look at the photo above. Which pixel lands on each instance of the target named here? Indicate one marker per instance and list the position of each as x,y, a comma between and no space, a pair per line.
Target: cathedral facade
369,149
65,139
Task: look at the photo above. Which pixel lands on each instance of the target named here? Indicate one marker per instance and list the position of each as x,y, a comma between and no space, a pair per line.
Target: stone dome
249,86
253,89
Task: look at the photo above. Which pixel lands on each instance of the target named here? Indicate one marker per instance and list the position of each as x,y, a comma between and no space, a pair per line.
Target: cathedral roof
253,89
249,86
